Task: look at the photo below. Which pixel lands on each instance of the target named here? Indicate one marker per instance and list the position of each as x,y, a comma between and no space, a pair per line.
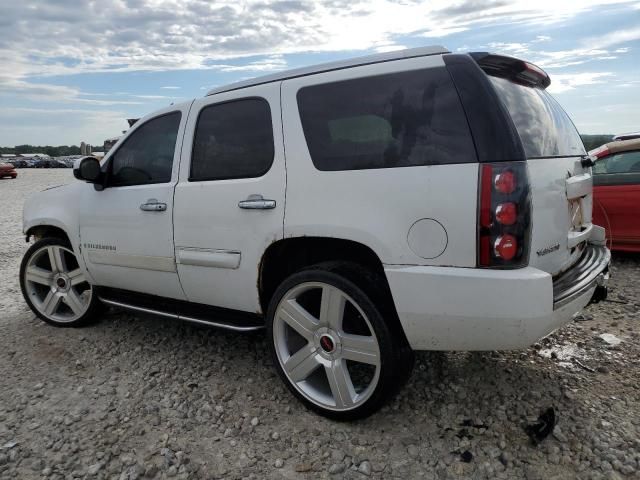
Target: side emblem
547,250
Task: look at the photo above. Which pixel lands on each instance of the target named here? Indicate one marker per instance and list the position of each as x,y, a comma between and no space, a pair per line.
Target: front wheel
332,345
54,286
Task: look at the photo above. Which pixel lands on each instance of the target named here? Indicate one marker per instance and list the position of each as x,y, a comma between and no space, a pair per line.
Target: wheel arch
47,230
289,255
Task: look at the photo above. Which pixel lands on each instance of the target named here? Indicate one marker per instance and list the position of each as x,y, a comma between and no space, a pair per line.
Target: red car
7,170
616,193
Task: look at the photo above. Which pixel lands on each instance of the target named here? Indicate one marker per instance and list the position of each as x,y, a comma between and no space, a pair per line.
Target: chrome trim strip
201,257
180,317
141,262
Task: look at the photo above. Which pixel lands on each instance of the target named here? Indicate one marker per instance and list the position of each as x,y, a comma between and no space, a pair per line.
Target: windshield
544,127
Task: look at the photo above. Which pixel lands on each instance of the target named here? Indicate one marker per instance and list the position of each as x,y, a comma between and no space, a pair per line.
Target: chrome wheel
326,346
55,284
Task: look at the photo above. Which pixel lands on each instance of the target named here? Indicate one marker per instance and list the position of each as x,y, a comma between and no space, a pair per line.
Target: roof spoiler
512,69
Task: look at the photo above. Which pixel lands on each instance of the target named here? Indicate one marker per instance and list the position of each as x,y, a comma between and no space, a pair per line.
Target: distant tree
594,141
52,151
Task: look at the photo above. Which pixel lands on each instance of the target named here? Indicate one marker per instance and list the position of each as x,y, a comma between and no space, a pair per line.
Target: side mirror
87,169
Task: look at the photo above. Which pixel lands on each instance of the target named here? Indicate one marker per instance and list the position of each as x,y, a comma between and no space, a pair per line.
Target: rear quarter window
543,126
402,119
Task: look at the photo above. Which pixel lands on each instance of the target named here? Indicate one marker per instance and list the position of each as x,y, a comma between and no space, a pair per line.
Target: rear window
397,120
544,127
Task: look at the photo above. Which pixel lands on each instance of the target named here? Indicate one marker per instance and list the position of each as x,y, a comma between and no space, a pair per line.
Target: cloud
79,36
65,126
42,92
170,87
564,82
615,37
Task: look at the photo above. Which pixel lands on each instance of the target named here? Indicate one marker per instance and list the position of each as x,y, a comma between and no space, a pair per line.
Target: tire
54,287
344,366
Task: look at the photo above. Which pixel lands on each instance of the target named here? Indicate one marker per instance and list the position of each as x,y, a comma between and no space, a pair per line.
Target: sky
74,70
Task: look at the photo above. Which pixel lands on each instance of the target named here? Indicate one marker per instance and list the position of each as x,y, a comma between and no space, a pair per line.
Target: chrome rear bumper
591,270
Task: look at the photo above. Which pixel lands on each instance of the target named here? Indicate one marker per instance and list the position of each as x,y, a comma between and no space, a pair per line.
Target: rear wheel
332,345
54,286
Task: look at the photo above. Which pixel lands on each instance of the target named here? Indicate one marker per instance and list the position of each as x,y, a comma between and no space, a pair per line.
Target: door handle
153,205
257,202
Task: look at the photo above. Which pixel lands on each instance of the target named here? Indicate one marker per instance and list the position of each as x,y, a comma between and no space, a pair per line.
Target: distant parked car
7,170
55,163
627,136
616,192
18,163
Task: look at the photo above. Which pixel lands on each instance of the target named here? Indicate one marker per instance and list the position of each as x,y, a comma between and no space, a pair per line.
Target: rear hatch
560,187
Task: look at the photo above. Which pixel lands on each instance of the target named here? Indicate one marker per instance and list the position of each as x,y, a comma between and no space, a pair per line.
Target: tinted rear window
233,140
397,120
544,127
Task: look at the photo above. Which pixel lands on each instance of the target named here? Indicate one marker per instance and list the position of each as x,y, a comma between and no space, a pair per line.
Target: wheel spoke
340,383
50,303
56,257
39,275
332,307
360,348
298,318
301,364
76,277
73,300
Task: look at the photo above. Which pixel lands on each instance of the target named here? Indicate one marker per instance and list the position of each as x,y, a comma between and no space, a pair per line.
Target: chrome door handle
153,205
257,202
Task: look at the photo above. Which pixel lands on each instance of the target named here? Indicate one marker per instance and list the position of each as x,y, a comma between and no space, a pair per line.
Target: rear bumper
590,271
446,308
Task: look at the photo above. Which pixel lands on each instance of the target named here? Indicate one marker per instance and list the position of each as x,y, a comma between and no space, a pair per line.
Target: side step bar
180,310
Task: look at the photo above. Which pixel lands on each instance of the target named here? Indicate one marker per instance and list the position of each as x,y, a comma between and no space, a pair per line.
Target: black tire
369,290
95,306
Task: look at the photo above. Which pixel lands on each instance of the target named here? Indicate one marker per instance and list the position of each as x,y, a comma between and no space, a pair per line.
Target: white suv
359,210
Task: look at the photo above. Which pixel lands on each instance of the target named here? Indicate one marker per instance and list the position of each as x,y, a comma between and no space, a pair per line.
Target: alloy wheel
326,346
56,286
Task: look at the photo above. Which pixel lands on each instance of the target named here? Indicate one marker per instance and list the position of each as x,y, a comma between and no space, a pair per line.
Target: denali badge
96,246
552,248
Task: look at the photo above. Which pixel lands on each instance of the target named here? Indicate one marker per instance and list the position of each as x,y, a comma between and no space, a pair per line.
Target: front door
229,202
126,230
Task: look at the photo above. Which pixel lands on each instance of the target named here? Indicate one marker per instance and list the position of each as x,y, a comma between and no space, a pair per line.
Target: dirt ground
141,397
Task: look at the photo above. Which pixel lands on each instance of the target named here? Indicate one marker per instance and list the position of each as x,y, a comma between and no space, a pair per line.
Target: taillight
503,215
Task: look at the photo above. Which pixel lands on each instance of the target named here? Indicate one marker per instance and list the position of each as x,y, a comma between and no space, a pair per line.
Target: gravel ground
140,397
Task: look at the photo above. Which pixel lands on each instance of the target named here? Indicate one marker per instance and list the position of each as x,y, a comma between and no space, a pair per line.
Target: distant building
33,155
109,142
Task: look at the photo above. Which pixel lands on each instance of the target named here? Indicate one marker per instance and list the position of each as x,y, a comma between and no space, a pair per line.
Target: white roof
326,67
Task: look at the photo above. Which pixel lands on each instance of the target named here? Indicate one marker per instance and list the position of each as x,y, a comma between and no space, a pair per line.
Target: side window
233,140
625,162
397,120
147,155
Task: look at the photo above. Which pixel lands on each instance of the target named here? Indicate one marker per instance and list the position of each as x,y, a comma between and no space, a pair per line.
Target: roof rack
338,65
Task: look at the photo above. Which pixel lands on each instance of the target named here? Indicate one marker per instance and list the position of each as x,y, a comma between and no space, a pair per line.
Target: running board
181,310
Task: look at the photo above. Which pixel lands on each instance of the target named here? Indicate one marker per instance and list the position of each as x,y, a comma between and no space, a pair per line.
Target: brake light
503,215
506,247
505,182
506,213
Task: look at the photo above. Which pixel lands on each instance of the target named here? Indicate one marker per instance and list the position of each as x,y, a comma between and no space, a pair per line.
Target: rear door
229,202
561,188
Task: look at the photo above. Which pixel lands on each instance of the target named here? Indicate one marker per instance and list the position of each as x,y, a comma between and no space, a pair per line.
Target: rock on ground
141,397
